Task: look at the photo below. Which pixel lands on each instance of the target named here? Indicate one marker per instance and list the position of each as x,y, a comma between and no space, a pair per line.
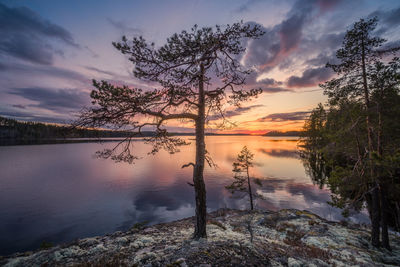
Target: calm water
58,193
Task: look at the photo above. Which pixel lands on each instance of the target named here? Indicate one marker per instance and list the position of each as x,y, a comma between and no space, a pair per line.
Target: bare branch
187,165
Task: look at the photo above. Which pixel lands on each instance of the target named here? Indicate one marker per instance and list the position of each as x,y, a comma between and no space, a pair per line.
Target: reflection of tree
280,153
311,147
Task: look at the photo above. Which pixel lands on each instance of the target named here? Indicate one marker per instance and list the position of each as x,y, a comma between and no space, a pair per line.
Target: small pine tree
241,175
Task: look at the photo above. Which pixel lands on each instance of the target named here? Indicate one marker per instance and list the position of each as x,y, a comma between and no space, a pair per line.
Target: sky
51,50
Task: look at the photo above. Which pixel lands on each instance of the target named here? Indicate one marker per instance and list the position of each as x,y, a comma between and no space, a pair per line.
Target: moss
220,225
205,252
305,213
139,225
46,245
293,238
174,264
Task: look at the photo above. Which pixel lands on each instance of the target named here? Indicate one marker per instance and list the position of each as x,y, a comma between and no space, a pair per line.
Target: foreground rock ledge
235,238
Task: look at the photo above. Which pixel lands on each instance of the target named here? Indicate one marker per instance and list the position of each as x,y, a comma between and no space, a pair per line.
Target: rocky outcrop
235,238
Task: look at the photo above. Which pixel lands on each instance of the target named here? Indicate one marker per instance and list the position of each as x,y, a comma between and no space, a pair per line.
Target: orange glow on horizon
256,132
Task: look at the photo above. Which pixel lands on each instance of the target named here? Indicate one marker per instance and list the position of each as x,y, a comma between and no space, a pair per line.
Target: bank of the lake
235,238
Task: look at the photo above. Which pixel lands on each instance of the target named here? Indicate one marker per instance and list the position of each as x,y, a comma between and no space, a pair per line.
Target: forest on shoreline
13,132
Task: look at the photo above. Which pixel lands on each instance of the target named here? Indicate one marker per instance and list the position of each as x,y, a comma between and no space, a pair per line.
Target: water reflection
57,193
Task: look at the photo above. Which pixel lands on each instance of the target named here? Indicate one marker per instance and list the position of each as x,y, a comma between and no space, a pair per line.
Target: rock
122,241
181,262
149,230
294,263
284,238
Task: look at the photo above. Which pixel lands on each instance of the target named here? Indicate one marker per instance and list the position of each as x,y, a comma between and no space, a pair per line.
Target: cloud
248,108
91,52
290,116
25,35
43,70
268,85
388,20
31,49
123,27
310,77
281,41
389,17
29,115
270,90
319,60
19,106
269,82
54,99
100,71
233,113
245,6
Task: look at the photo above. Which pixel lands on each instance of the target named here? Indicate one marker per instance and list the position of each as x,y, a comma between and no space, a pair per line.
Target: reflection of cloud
310,192
286,193
161,205
270,185
280,153
147,201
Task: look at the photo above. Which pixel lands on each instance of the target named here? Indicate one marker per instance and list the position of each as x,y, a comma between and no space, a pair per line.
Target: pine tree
242,179
195,74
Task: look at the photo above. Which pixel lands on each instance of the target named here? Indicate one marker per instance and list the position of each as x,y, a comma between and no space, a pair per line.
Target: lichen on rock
235,238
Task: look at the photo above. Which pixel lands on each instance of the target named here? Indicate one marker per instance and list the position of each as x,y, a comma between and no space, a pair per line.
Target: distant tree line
288,133
352,144
11,129
15,132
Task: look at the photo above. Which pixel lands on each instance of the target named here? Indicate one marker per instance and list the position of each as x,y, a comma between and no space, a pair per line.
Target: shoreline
77,140
264,238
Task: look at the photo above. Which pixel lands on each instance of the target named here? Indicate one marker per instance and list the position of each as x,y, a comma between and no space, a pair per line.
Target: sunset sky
50,50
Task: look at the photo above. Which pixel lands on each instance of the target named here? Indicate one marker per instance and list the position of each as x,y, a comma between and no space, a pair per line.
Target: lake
60,192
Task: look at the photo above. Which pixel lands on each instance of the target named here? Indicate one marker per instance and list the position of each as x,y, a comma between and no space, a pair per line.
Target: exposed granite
235,238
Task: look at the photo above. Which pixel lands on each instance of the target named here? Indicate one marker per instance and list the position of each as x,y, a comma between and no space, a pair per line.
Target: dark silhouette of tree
21,132
351,136
194,74
242,181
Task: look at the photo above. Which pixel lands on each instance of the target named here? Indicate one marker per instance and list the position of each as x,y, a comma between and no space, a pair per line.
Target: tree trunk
383,184
375,209
250,193
384,218
375,217
198,180
397,215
